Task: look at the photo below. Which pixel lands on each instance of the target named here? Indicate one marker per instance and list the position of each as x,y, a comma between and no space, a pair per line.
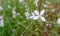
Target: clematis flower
36,15
1,21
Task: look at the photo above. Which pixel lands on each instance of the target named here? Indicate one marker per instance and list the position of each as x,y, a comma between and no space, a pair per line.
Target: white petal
35,17
47,2
42,18
1,17
1,8
45,5
42,12
27,14
20,1
1,23
14,14
31,17
36,12
58,21
52,10
33,14
9,7
36,2
18,14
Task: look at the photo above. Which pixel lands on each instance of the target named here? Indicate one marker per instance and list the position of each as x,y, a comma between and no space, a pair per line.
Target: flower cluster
36,15
15,13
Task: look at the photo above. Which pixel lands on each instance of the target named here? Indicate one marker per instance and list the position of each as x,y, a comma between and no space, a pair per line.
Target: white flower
36,2
1,8
58,21
52,10
1,21
18,14
9,6
47,2
14,12
45,5
20,1
27,15
36,15
14,30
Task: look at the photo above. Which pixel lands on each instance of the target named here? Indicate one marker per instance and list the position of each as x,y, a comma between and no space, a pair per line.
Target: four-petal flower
36,15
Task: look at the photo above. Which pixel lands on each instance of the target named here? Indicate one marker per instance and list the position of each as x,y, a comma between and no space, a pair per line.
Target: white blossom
1,8
47,2
36,15
58,21
52,10
36,2
9,6
1,21
14,30
45,5
18,14
21,1
14,12
27,15
36,12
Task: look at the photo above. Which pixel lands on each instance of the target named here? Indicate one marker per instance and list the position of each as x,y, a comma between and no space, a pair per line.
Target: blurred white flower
27,15
9,7
1,8
58,21
21,1
14,30
14,12
52,10
36,15
48,25
36,2
1,21
47,2
18,14
45,5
